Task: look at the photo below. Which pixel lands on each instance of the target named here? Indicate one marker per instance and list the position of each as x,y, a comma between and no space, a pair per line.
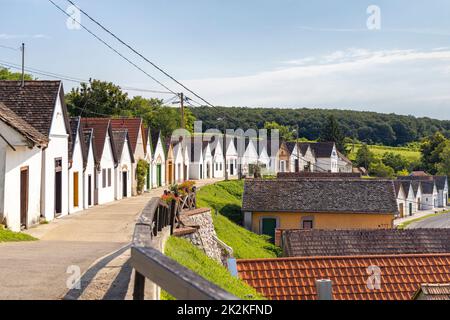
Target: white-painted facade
430,200
123,173
411,201
89,176
231,155
158,165
208,161
295,161
250,157
196,167
149,159
54,167
12,162
328,164
218,159
308,160
105,174
178,162
443,195
76,170
402,202
265,161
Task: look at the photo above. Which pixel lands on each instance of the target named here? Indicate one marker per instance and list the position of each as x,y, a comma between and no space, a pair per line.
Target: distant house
264,158
283,158
321,243
77,157
89,168
433,292
105,159
135,127
294,278
326,156
20,171
318,204
295,159
196,168
402,198
344,164
170,161
417,188
250,155
41,104
308,158
429,195
231,155
125,162
207,159
442,186
181,161
217,157
158,161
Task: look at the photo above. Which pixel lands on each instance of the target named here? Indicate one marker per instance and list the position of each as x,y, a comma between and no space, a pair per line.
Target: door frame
261,221
58,170
24,211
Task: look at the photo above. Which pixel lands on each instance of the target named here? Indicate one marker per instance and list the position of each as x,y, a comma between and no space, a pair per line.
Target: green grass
411,154
405,224
9,236
226,197
196,260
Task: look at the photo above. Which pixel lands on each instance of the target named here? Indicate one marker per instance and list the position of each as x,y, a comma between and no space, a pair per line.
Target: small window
104,178
109,177
307,223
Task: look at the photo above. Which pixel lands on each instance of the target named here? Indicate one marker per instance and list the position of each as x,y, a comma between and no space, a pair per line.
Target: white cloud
400,81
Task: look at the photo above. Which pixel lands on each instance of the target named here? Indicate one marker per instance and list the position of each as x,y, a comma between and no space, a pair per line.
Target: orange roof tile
294,278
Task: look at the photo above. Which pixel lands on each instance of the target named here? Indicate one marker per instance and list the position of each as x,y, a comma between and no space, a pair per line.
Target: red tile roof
133,125
294,278
100,127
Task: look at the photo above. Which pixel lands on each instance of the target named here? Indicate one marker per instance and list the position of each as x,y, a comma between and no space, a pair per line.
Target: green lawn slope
9,236
225,198
196,260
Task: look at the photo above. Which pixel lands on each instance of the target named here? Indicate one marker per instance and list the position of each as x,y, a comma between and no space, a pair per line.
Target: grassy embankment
9,236
196,260
225,199
411,154
405,225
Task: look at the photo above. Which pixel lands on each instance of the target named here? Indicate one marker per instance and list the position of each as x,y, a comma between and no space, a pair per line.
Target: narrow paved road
440,221
38,270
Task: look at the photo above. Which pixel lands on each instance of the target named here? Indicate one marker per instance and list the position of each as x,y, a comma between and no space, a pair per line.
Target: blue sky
253,53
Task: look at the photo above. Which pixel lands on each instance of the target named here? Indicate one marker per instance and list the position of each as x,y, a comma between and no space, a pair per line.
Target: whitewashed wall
159,158
124,165
89,170
77,166
218,162
106,194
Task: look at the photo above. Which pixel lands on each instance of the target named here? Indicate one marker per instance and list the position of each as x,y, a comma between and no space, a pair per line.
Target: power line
139,54
10,48
72,79
111,48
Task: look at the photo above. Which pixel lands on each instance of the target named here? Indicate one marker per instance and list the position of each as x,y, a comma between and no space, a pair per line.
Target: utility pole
23,65
182,109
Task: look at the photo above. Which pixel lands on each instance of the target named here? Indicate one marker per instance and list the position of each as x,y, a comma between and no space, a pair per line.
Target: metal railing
149,263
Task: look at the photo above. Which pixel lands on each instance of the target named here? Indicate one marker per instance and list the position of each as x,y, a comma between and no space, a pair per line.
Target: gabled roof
416,185
21,126
196,149
406,186
304,148
133,125
88,135
318,175
77,129
399,187
290,146
301,243
35,102
428,187
344,158
119,137
101,127
322,149
320,196
155,136
439,180
294,278
437,292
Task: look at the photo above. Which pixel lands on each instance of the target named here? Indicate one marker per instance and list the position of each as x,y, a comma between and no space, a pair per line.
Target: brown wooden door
24,197
75,190
402,210
58,187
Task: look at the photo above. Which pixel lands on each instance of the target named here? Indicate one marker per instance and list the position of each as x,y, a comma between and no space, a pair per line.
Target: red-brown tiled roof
100,127
133,126
294,278
433,292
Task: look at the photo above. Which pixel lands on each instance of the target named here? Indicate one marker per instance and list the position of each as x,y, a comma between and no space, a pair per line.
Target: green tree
380,170
141,174
331,132
5,74
431,149
97,98
286,134
364,157
444,166
395,161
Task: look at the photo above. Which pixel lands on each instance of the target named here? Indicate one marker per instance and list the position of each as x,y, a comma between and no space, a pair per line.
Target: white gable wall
106,193
77,167
159,158
89,171
231,156
218,162
57,149
208,162
124,165
11,163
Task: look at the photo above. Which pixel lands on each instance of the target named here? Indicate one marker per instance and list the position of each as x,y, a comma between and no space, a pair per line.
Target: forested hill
370,127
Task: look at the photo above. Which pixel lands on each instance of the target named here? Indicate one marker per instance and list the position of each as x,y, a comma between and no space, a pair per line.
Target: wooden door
89,190
75,190
402,213
58,187
268,227
24,197
124,184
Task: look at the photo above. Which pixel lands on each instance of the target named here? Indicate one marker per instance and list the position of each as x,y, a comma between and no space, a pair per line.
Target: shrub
141,174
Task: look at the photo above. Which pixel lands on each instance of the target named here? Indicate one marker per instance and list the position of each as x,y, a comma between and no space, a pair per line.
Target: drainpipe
324,289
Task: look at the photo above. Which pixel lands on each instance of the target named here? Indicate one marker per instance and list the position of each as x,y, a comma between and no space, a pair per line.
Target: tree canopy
5,74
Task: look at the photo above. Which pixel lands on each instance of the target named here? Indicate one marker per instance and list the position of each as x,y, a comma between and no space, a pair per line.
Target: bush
379,169
141,174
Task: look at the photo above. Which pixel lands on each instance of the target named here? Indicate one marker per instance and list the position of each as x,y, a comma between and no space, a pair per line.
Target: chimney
324,289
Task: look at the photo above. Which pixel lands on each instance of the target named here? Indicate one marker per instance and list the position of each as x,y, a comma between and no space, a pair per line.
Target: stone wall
203,235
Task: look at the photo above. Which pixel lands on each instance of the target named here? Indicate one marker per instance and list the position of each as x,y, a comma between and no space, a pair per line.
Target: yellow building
318,203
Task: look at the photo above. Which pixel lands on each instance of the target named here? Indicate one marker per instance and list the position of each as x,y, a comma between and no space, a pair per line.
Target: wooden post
173,208
139,286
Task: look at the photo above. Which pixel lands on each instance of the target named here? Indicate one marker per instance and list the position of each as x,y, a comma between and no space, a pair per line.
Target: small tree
379,169
141,174
395,161
331,132
444,165
364,157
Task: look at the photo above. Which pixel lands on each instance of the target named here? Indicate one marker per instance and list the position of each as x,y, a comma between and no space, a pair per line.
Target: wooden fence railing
148,262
